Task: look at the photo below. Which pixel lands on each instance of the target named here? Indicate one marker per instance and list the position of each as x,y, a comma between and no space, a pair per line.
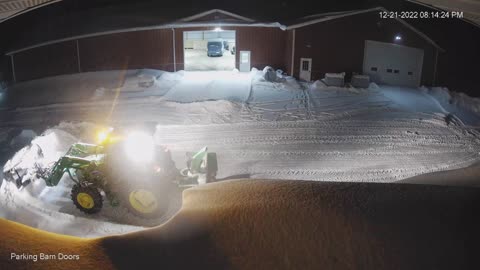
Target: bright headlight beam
102,136
139,147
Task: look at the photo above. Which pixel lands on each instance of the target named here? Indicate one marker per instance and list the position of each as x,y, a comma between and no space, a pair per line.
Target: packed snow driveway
339,150
220,85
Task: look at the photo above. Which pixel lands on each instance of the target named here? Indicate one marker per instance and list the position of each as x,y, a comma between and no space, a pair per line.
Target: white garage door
393,64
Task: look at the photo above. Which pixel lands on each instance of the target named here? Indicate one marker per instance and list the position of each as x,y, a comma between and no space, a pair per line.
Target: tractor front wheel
87,199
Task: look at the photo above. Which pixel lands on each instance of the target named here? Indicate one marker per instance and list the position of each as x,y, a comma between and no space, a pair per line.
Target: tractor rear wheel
87,199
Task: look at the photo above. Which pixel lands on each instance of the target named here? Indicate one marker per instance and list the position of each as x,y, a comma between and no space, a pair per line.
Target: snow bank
24,138
373,86
146,78
270,75
43,150
321,85
463,106
142,83
444,96
318,85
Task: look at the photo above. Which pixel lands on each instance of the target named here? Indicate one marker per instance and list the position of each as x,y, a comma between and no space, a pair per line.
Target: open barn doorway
209,50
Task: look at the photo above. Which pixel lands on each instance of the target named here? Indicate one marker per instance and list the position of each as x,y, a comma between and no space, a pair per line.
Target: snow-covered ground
282,130
206,85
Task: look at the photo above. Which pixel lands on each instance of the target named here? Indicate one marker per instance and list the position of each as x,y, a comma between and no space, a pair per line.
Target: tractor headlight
139,147
104,135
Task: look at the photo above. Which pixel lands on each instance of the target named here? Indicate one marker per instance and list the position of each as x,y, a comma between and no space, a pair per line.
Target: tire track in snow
330,150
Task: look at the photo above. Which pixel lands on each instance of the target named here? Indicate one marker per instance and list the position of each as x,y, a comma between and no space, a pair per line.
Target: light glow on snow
218,29
139,147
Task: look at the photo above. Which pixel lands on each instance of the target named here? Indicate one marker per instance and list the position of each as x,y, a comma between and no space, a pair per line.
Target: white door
245,61
393,64
306,69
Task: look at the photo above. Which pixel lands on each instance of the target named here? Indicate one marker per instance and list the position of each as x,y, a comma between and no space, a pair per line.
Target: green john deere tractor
130,171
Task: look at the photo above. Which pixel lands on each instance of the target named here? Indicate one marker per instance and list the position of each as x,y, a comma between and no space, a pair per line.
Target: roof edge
146,28
26,10
205,13
346,14
409,26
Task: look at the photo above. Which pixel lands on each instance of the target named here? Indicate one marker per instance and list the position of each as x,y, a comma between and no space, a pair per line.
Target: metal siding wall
338,45
288,51
179,57
52,60
130,50
143,49
266,44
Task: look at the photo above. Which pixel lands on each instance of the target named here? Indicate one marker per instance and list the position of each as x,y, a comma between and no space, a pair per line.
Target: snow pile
318,85
263,91
321,85
270,75
373,86
142,80
465,107
24,138
43,150
444,96
142,83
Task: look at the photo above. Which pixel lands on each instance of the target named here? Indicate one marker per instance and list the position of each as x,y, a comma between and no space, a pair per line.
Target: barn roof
72,25
12,8
218,14
213,18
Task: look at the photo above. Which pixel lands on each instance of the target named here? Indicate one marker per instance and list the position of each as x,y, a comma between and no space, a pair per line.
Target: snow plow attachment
202,167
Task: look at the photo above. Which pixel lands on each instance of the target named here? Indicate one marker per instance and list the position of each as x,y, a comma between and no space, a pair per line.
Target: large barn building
391,51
